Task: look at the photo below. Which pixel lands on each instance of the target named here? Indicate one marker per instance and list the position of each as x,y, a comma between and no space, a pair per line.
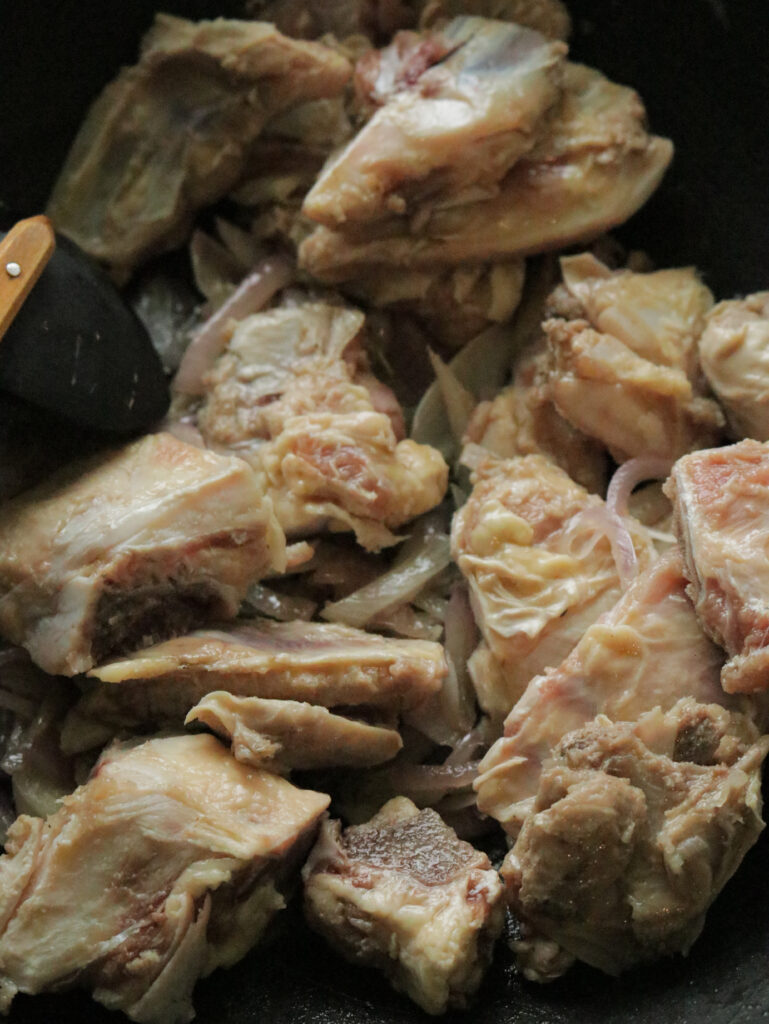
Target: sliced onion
283,607
251,295
466,748
432,780
614,528
423,556
185,431
629,475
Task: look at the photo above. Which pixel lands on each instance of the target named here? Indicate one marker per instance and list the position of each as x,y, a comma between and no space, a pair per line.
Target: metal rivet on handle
12,269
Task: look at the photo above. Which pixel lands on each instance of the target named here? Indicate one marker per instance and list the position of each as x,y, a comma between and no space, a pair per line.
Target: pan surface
702,67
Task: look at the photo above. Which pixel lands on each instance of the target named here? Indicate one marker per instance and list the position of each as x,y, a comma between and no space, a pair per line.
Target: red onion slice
629,475
251,295
613,527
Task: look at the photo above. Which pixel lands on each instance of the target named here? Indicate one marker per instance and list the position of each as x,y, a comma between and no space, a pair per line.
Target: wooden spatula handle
24,252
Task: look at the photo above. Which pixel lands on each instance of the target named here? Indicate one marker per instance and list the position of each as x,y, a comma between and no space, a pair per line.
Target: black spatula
70,344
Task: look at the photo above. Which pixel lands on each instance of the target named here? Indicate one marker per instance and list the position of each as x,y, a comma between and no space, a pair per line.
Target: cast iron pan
702,67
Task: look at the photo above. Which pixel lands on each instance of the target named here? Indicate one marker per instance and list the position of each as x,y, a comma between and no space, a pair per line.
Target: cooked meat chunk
459,108
536,550
635,830
453,304
734,350
403,894
289,396
317,663
632,405
721,508
286,734
522,420
549,17
648,651
162,867
172,134
130,547
659,316
595,166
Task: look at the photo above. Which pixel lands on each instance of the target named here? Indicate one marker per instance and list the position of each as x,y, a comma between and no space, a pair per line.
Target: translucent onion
422,557
614,528
432,781
629,475
251,295
283,607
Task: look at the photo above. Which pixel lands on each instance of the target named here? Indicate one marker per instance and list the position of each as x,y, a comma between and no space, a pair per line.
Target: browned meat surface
720,504
307,19
317,663
130,547
536,550
522,420
458,108
594,167
289,395
648,651
734,350
286,734
635,830
403,894
162,867
172,134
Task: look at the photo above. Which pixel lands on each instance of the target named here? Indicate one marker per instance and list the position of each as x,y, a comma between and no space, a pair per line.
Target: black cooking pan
702,67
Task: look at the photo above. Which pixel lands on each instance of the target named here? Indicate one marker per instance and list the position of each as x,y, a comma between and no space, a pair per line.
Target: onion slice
629,475
251,295
614,528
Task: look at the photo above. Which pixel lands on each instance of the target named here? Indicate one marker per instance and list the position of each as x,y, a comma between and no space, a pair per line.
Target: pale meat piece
535,548
734,351
172,134
632,405
348,471
658,316
549,17
635,830
595,166
286,734
403,894
293,396
720,514
648,651
454,304
458,108
317,663
166,864
130,547
522,420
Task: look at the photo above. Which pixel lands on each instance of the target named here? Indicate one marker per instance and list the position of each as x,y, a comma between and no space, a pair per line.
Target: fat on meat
458,108
168,862
522,420
291,396
635,829
734,352
172,134
648,651
287,734
595,165
404,894
720,514
315,663
130,547
536,550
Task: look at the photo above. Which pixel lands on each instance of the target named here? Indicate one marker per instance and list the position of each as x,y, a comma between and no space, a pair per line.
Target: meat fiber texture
131,547
635,829
166,864
402,893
